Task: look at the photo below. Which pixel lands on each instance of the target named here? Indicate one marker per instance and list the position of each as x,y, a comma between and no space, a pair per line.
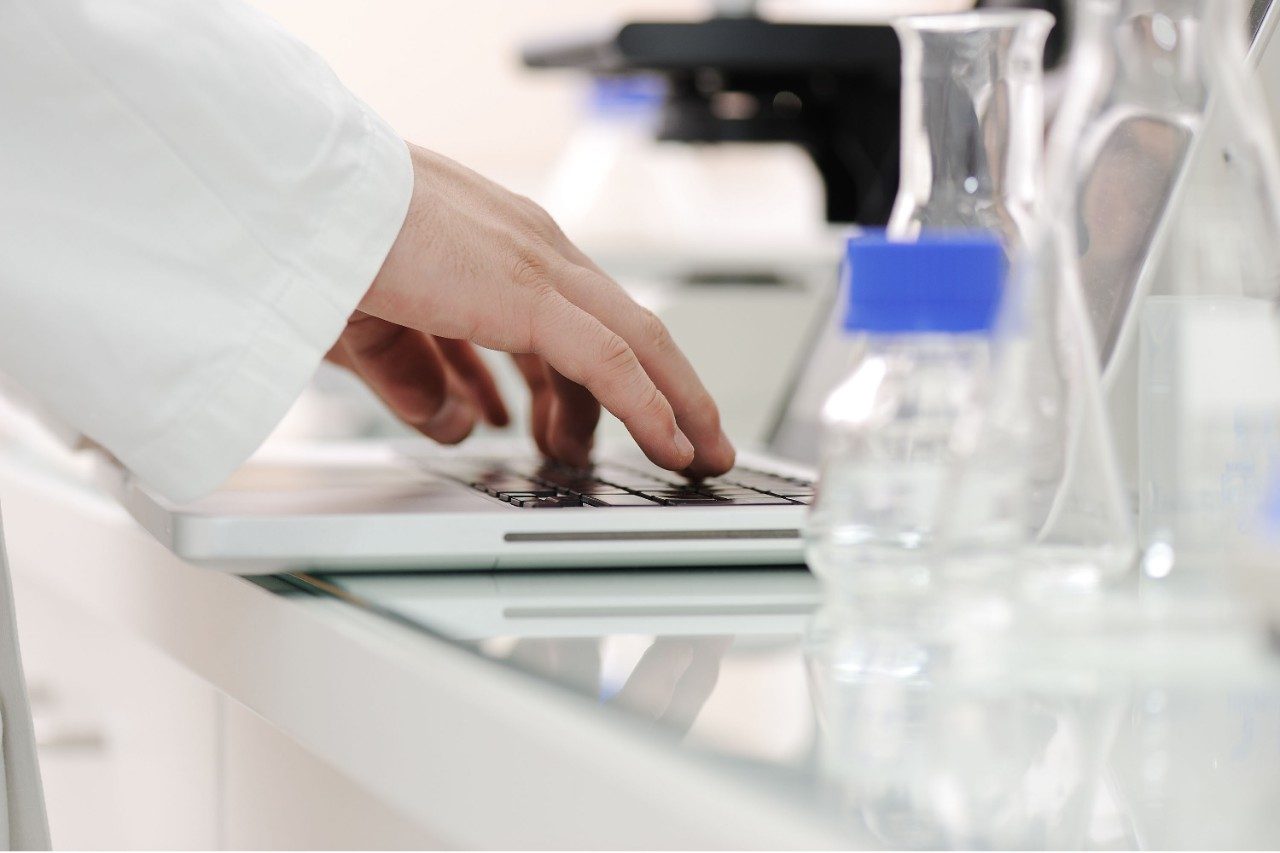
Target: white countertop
679,708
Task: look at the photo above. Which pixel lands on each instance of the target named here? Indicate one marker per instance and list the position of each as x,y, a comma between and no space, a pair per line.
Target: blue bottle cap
950,283
633,94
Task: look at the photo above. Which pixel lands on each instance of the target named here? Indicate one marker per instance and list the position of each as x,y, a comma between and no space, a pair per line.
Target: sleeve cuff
204,446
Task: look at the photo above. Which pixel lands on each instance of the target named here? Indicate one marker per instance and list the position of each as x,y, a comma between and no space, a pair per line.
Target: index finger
663,361
584,351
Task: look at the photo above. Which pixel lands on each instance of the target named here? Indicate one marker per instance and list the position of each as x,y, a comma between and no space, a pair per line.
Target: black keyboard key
545,503
568,479
617,500
533,493
757,500
633,479
676,494
639,485
693,500
597,489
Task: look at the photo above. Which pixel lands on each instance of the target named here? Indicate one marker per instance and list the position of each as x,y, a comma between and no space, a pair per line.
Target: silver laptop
488,504
411,506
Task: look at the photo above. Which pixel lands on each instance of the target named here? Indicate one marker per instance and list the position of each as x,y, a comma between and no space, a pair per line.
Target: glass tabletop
1134,720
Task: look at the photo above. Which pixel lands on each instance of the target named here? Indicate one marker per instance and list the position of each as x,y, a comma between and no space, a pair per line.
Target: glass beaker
972,122
1166,160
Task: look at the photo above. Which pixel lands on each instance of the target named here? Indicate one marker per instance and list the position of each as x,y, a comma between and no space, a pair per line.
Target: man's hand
476,264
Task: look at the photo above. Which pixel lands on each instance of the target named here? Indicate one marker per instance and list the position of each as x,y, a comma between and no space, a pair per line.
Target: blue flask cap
949,283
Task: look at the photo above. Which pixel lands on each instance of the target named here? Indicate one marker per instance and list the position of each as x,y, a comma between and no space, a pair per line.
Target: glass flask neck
973,121
1162,54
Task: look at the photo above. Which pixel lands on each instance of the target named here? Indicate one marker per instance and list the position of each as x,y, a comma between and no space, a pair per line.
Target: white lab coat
191,205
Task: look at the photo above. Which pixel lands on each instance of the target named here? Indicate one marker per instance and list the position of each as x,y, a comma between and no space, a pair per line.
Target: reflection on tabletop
669,684
1120,721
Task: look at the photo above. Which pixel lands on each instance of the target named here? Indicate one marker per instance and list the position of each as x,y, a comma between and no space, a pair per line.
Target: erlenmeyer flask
972,122
1172,169
1081,521
1082,518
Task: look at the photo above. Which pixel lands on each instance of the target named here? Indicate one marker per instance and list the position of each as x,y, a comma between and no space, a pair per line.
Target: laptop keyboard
550,486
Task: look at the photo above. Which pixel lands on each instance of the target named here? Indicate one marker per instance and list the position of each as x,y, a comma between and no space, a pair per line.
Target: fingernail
683,446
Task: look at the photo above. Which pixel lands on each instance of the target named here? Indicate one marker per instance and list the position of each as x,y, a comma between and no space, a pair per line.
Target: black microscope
832,89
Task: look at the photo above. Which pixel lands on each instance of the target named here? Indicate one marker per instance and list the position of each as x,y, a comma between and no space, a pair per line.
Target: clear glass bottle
1165,149
908,417
972,122
972,136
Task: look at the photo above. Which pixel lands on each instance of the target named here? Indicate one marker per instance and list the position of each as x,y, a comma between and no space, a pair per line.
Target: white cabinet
128,738
138,753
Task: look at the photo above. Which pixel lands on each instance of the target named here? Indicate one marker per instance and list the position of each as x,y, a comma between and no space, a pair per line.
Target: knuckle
620,368
541,221
656,332
615,358
372,341
532,267
653,404
547,312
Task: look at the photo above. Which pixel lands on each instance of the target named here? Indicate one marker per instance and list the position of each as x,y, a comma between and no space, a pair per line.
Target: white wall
447,75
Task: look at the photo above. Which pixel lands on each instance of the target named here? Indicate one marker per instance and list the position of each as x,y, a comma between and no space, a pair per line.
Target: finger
337,354
578,662
474,373
407,370
662,360
695,686
584,351
572,425
537,377
574,660
652,683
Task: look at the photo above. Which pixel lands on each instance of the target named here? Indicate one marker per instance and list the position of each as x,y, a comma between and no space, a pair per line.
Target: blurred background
726,241
448,75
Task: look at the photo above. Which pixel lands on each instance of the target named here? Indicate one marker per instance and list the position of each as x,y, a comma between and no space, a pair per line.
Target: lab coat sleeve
191,205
